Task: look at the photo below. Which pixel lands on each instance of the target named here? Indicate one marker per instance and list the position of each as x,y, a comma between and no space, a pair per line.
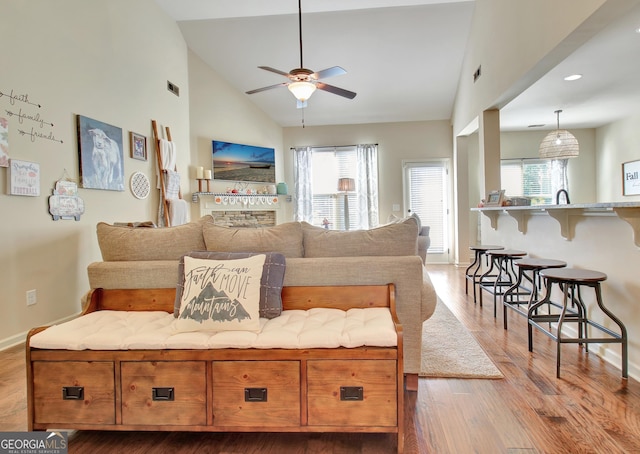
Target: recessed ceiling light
638,30
573,77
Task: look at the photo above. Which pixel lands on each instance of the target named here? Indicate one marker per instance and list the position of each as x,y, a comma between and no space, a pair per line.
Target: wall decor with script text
4,142
23,178
30,124
65,203
631,178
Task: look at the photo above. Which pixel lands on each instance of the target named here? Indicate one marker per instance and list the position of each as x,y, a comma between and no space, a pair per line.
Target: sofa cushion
391,239
119,243
283,238
270,283
220,295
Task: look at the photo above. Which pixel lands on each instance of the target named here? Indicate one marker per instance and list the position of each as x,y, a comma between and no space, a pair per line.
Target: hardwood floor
591,409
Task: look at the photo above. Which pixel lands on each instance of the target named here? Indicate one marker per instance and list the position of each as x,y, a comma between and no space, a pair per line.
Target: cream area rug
450,351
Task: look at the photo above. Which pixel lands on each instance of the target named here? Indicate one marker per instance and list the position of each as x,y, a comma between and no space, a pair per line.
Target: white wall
106,60
396,142
109,61
616,143
581,170
220,112
516,43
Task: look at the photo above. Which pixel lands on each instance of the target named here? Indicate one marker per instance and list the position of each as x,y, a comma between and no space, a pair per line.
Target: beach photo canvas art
236,162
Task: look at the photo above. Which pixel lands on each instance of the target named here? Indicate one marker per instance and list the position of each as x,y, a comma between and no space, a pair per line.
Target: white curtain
303,200
367,185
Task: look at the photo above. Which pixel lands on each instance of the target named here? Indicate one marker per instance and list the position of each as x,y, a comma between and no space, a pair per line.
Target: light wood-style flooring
591,409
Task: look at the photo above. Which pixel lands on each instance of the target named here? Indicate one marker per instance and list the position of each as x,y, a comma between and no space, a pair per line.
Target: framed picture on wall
631,178
494,199
138,145
23,178
101,156
248,163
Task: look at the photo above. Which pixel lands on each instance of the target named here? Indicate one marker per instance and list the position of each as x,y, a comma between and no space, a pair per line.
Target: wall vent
173,88
477,73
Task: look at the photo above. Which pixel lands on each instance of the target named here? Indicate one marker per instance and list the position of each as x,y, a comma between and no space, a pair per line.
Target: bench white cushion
293,329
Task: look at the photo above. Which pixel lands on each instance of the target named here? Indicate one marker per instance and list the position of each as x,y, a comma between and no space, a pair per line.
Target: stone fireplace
249,218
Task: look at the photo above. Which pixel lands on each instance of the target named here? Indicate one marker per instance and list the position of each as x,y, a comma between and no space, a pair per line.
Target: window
426,194
528,178
328,203
319,201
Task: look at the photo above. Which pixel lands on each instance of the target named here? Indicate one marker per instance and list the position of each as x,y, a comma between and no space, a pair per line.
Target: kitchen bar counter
598,236
627,211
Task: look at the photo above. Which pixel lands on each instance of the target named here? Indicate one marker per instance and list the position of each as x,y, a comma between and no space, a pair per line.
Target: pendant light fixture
559,144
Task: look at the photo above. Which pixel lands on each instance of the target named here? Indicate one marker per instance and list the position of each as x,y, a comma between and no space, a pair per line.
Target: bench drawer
352,393
256,393
74,392
164,393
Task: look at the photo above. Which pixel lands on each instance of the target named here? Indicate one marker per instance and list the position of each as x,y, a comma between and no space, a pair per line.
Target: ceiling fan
302,81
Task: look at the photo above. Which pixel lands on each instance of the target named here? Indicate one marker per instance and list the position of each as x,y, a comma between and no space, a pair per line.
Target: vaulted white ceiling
403,58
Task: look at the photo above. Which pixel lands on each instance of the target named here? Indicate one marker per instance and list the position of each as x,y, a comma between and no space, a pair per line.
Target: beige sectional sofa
149,257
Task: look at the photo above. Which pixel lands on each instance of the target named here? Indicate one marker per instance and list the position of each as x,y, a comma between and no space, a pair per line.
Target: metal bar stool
570,280
472,273
505,276
511,298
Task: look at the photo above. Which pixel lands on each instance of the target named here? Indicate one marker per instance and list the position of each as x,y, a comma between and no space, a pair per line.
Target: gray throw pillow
270,284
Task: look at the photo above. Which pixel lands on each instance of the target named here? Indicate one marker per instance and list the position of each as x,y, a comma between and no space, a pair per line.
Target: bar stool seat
570,281
472,273
511,299
496,284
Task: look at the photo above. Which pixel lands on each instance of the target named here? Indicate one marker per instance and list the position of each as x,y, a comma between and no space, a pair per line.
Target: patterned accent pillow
220,295
270,283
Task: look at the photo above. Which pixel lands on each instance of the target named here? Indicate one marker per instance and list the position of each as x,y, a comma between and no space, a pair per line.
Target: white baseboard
20,338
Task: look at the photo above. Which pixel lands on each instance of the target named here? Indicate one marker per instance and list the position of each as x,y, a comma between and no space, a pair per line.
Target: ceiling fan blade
270,87
336,90
329,72
273,70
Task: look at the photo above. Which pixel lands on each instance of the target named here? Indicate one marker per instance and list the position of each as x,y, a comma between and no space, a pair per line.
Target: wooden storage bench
222,389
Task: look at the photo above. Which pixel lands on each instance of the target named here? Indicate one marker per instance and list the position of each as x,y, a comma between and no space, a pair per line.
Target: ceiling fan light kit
302,90
304,82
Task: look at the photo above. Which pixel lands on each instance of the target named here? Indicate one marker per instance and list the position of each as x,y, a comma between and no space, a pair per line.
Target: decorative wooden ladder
161,171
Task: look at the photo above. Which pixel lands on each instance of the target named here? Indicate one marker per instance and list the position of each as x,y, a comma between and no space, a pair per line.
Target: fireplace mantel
227,209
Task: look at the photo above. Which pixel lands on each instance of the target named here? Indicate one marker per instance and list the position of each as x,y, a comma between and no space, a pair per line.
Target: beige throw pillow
283,238
391,239
135,244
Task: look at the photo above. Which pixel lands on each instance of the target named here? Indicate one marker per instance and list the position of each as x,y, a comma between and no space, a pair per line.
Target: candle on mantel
199,173
207,174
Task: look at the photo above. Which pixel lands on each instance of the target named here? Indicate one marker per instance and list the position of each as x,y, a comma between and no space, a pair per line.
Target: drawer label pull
351,393
162,393
255,394
73,392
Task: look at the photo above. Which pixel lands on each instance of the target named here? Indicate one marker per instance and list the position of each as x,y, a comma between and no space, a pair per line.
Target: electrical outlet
395,207
31,297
